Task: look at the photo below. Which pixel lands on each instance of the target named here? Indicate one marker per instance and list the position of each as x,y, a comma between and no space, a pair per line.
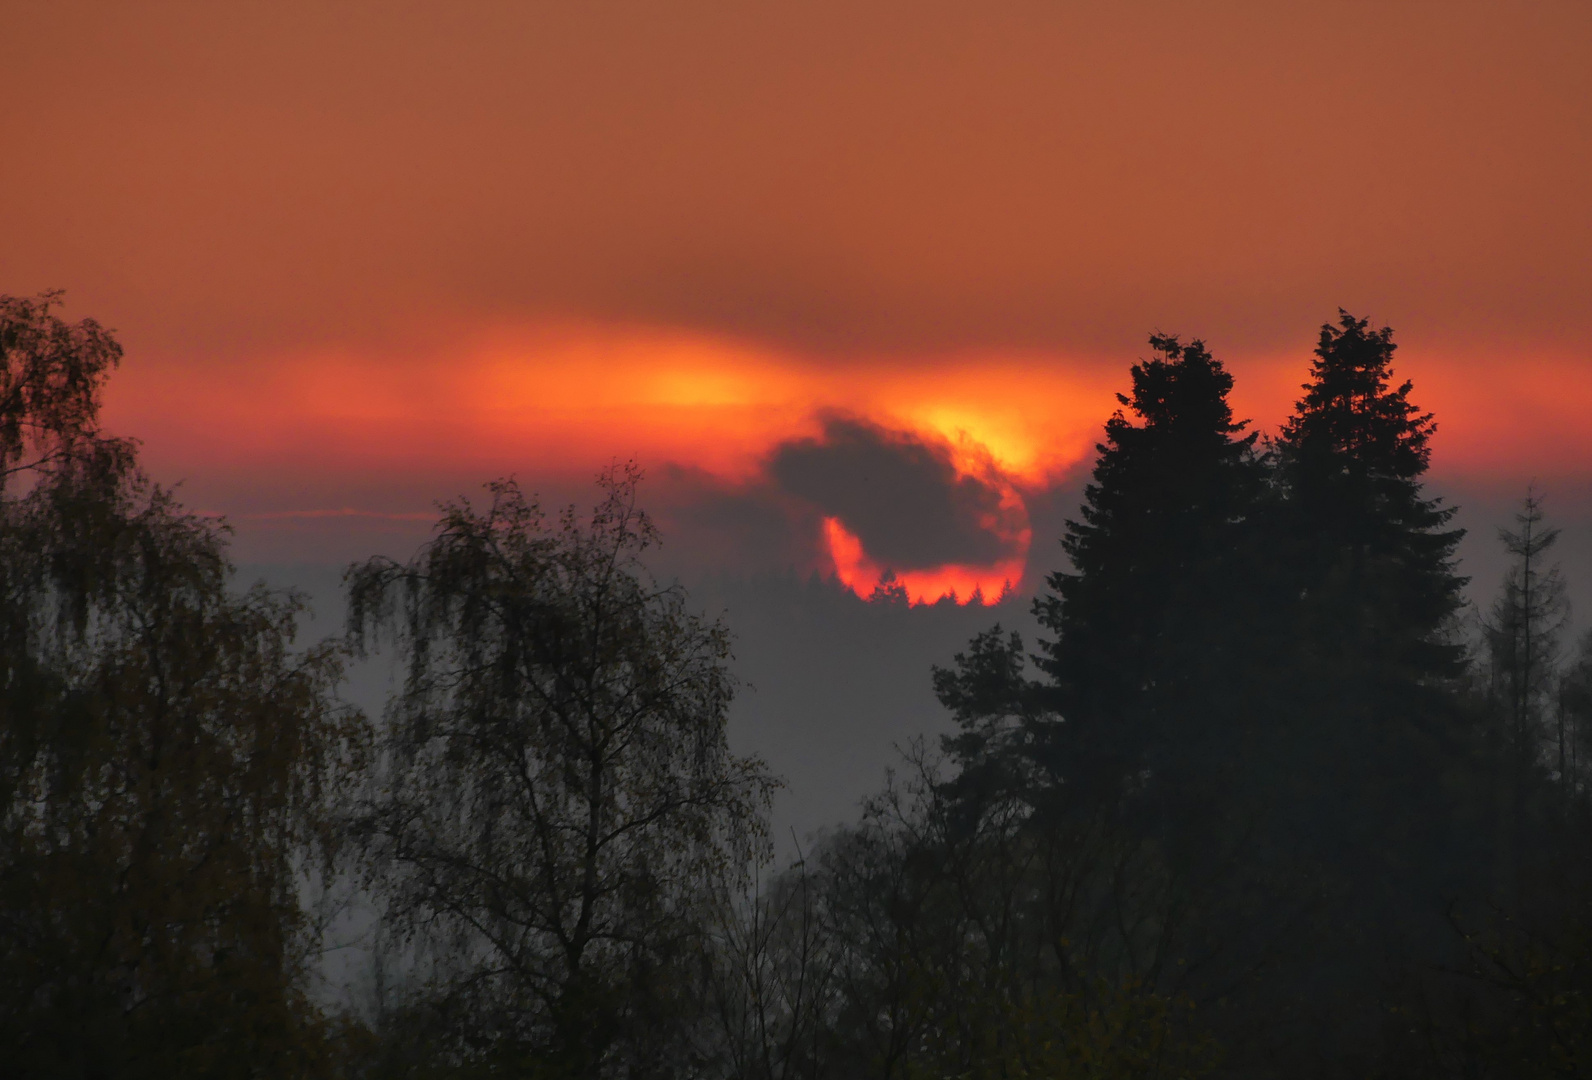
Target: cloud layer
902,495
842,179
682,230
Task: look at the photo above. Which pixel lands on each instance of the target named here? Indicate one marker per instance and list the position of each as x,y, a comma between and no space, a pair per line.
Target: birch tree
555,798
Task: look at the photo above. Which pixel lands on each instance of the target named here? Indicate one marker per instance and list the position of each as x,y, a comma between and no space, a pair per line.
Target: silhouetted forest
1266,798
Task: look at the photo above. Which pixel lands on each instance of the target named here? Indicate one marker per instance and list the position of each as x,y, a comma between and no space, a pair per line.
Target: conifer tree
1137,619
1372,554
1366,752
1574,712
1365,727
1524,635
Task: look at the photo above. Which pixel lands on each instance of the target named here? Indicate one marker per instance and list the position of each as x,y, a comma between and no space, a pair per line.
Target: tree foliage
1247,678
930,940
1250,808
51,372
1524,635
168,763
555,802
1137,618
1373,554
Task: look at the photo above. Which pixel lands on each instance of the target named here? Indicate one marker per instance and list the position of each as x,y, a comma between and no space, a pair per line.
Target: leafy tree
1533,1015
51,372
994,942
167,761
555,799
772,990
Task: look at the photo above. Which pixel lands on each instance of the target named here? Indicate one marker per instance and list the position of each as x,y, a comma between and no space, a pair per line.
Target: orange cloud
963,583
561,401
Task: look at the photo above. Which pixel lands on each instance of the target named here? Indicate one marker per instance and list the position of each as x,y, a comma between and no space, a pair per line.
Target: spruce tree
1144,714
1371,808
1524,634
1365,724
1367,737
1372,555
1138,620
1574,714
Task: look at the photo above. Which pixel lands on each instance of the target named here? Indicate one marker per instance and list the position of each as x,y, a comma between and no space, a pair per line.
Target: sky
367,256
854,282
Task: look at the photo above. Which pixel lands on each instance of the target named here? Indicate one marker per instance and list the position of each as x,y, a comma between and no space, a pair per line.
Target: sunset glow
718,538
364,262
964,584
562,402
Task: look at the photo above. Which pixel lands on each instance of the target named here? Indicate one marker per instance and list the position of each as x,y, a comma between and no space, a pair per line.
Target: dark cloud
898,492
711,526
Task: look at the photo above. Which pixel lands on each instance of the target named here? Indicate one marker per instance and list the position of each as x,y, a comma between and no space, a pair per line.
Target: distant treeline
1266,800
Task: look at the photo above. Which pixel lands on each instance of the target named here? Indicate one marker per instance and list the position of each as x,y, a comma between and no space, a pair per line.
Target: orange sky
360,253
564,398
557,404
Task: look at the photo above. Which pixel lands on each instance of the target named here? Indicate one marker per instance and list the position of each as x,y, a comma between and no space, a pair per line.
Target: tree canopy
1252,805
168,762
556,804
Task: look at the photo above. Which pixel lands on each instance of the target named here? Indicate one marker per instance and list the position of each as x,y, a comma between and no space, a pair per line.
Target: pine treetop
1352,413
